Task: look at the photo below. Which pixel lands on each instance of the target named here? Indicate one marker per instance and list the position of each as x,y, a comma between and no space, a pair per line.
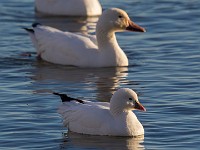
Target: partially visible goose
102,118
81,50
69,7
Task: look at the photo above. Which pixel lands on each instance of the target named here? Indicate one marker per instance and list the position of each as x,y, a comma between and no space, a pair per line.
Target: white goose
81,50
102,118
68,7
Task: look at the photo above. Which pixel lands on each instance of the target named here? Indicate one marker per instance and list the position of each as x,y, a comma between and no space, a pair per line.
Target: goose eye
130,99
120,16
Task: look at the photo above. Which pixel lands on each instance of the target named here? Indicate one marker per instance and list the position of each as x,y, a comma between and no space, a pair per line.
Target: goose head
124,100
117,20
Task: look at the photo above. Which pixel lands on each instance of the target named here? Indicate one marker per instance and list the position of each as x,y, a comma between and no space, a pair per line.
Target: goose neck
117,111
106,38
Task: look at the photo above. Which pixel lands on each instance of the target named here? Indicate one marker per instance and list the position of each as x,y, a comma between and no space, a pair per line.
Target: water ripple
164,70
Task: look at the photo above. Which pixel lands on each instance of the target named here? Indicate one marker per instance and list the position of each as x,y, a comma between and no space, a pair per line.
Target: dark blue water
164,69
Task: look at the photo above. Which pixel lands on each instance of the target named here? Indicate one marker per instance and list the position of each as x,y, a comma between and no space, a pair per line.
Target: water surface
164,70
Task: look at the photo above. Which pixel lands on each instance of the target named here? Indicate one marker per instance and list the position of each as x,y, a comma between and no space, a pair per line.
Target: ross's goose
102,118
82,50
68,7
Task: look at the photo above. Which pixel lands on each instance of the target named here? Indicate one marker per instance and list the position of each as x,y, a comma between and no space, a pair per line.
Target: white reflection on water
72,24
102,142
103,80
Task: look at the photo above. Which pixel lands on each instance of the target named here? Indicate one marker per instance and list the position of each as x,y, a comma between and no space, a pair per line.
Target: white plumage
69,7
82,50
102,118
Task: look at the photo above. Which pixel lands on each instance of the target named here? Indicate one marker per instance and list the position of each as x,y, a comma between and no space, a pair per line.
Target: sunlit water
164,69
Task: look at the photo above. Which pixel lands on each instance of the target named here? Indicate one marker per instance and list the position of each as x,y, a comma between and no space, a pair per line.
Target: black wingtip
58,94
55,93
65,98
29,30
35,24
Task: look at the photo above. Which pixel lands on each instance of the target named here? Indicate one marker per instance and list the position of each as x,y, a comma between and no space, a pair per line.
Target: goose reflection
72,24
104,80
81,141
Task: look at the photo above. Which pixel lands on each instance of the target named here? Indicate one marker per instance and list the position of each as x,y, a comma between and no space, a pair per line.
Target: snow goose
68,7
102,118
81,50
